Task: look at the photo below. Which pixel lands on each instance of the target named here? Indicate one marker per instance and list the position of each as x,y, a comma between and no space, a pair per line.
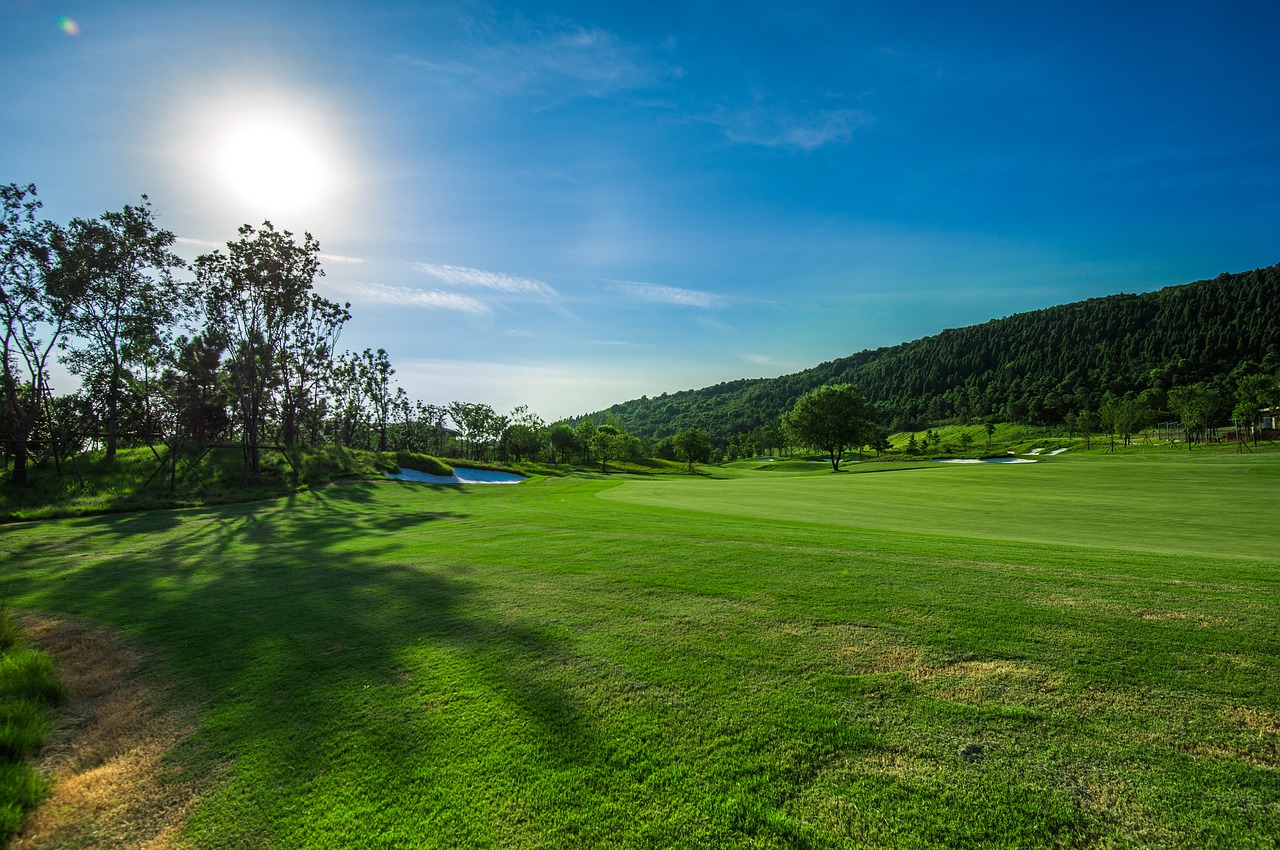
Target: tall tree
121,267
692,445
831,418
523,436
304,361
254,295
375,374
35,304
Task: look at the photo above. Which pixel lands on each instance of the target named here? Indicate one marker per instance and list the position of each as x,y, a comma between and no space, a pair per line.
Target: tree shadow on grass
321,631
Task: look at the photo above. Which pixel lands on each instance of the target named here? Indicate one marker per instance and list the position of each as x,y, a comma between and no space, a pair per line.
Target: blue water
461,475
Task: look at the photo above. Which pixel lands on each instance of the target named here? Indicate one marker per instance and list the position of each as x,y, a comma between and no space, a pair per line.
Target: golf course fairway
1079,652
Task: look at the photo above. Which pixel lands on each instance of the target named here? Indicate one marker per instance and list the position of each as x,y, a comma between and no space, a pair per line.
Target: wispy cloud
429,299
786,127
668,294
758,359
207,243
497,281
556,60
340,259
197,243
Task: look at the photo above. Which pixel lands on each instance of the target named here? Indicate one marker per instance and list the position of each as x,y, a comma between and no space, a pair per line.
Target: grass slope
1073,653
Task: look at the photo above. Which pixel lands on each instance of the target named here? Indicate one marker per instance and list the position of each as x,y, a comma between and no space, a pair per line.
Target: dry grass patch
111,786
1257,720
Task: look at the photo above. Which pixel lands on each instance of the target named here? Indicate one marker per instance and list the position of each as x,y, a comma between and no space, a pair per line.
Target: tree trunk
20,459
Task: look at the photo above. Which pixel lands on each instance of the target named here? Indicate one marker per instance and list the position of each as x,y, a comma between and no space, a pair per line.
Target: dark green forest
1034,368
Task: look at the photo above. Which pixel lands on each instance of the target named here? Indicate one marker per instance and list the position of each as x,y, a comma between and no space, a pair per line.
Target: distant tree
374,373
121,267
1199,407
1253,395
253,295
606,442
1125,417
584,435
304,362
880,441
966,440
563,441
35,309
479,424
523,436
195,391
831,418
990,428
692,445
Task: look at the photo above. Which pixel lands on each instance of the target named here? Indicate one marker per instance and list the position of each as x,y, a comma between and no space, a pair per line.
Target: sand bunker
983,460
461,475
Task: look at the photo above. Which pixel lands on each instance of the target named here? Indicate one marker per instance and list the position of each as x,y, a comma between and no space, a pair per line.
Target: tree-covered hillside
1030,367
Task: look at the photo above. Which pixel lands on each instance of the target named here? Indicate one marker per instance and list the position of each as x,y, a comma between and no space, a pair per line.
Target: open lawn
1078,652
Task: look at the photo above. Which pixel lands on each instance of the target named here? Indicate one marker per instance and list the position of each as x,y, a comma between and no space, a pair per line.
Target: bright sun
272,166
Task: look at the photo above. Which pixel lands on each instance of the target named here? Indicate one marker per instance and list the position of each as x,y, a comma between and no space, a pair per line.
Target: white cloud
758,359
197,243
430,299
560,60
463,276
668,294
761,124
339,258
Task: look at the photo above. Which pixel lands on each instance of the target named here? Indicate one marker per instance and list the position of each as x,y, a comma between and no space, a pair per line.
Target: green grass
1079,652
29,687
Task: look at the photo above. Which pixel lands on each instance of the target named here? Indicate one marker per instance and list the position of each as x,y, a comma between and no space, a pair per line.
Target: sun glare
272,166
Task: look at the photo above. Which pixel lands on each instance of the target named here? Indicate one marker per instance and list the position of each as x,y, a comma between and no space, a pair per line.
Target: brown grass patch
111,787
1257,720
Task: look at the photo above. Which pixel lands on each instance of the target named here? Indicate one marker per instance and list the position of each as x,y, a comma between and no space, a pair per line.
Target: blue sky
568,205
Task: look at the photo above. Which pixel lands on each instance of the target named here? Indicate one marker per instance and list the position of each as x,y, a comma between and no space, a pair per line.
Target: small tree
691,445
606,442
831,418
563,441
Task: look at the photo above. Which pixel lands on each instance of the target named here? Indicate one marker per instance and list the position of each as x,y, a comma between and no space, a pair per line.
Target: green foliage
831,419
29,687
1029,368
692,445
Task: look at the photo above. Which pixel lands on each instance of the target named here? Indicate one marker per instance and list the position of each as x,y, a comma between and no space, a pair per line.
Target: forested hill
1029,367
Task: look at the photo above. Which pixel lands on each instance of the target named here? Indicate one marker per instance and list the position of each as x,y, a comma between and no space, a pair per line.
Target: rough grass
112,785
1073,653
29,688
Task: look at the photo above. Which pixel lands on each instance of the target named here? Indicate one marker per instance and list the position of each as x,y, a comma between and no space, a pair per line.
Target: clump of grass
29,687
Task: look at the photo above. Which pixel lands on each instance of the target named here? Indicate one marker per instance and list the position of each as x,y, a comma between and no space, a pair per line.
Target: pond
461,475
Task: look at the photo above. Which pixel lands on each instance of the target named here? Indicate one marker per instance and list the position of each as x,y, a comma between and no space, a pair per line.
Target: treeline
1038,368
236,348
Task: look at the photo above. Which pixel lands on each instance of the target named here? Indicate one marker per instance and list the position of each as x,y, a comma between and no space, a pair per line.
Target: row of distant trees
238,347
235,348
